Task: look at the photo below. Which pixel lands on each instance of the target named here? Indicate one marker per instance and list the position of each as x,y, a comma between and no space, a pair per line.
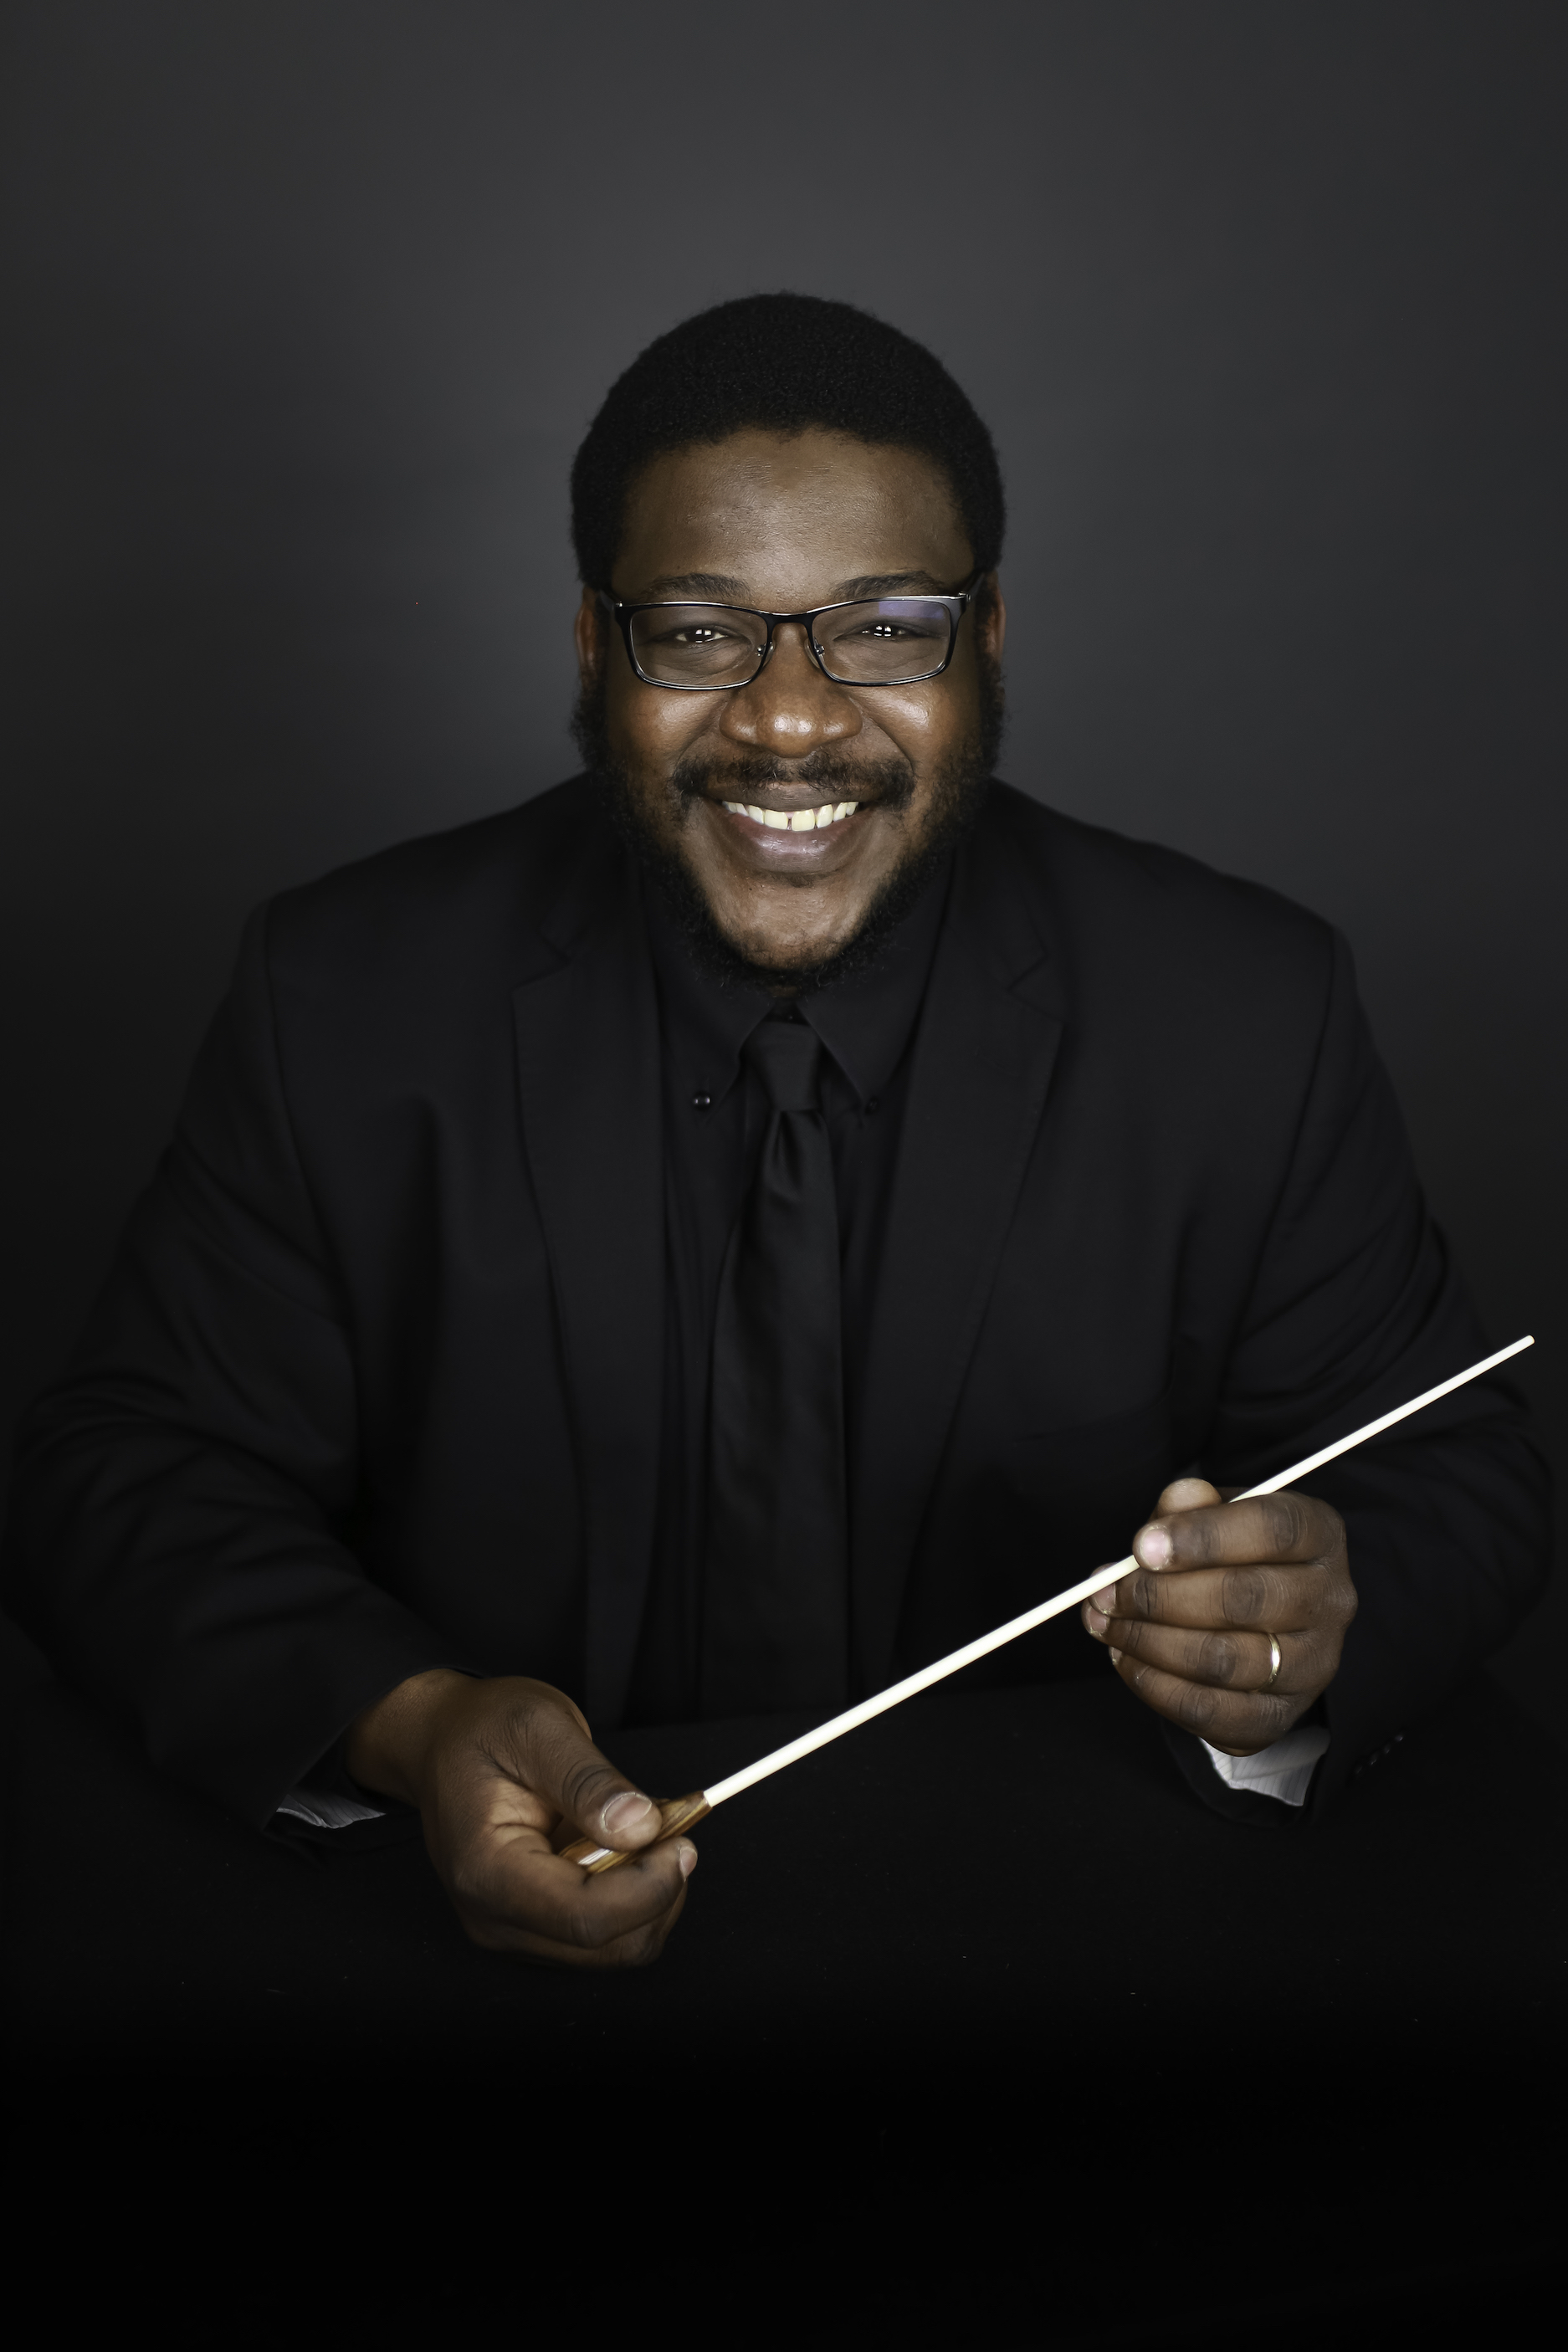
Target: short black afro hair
783,363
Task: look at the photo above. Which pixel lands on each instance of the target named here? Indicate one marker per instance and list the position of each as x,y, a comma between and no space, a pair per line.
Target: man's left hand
1190,1629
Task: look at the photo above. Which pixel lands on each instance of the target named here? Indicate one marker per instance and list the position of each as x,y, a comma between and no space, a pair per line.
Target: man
726,1232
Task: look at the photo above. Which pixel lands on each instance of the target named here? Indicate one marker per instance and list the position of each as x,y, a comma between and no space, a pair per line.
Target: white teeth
794,820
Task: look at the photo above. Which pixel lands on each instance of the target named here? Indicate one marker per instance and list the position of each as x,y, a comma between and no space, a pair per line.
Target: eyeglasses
714,648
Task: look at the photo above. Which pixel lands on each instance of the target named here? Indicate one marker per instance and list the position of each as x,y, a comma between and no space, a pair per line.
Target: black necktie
776,1588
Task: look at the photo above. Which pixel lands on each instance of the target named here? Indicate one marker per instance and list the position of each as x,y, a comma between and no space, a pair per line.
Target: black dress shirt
714,1116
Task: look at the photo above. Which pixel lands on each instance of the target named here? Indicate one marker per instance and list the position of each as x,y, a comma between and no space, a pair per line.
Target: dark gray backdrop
309,301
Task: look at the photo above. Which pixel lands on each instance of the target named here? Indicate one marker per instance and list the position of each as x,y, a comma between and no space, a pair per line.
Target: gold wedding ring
1273,1663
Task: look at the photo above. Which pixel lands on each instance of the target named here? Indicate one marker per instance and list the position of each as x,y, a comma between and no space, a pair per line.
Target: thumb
1151,1544
584,1787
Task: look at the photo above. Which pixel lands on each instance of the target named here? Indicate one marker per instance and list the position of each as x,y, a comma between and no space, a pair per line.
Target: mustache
890,783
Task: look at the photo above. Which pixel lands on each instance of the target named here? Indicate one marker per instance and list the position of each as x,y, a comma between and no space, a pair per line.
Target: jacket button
701,1102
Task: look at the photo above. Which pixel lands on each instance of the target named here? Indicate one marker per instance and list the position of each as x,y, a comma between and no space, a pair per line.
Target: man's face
781,524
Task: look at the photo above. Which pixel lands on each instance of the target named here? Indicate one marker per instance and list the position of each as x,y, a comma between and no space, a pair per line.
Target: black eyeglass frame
955,605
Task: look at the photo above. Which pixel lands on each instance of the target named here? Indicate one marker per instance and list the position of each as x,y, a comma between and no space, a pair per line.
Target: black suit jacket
374,1383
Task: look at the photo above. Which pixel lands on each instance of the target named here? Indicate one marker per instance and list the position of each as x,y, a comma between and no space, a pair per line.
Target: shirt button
701,1102
873,1102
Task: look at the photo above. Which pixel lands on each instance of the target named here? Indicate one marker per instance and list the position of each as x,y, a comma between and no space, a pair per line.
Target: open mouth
805,820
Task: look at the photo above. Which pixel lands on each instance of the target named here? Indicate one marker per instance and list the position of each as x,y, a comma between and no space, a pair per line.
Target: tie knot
785,1055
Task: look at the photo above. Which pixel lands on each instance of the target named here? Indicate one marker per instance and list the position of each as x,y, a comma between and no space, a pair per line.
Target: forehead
789,519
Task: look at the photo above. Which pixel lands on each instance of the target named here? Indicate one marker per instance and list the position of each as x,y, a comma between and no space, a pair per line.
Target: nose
790,710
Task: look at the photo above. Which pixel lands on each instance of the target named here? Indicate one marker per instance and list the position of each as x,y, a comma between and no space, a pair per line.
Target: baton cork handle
676,1813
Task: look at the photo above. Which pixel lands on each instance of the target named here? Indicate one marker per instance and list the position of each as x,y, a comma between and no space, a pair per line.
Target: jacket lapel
986,1045
588,1073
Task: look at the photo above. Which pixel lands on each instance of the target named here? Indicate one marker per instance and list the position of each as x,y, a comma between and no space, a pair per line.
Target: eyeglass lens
886,641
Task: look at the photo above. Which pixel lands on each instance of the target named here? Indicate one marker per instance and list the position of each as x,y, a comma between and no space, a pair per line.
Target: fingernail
1104,1600
1098,1620
1153,1547
687,1855
1115,1656
623,1813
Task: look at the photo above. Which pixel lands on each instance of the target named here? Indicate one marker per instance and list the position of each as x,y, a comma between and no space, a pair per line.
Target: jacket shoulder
1099,893
501,883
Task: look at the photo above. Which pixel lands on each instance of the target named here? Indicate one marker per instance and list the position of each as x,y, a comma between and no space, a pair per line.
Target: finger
1227,1661
634,1950
638,1951
1245,1721
1259,1597
1285,1527
513,1893
1186,1494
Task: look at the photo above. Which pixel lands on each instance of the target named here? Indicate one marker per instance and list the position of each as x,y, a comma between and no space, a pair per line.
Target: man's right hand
502,1770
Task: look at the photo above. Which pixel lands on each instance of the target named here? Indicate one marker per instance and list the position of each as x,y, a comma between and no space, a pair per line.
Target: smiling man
792,820
723,1234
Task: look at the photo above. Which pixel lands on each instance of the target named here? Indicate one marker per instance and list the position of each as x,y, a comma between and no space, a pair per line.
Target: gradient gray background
309,301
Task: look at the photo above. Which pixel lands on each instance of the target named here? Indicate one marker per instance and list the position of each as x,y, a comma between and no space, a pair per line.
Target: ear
992,618
592,636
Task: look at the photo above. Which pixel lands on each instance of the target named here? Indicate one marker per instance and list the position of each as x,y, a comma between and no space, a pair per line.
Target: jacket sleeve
176,1533
1354,1306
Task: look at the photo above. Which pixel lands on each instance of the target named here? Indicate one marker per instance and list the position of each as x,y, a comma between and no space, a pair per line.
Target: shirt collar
866,1021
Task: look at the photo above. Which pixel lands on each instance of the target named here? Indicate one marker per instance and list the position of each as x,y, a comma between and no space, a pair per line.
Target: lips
804,820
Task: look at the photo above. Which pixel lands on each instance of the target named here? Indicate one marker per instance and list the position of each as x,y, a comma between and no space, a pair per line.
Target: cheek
909,721
647,729
923,725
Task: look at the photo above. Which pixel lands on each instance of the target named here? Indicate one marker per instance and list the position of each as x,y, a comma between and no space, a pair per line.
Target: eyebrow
712,587
720,588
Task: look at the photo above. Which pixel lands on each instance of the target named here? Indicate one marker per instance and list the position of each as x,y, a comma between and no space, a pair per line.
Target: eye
880,630
689,635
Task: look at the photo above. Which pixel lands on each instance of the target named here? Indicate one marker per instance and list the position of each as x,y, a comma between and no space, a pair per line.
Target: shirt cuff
320,1810
1284,1770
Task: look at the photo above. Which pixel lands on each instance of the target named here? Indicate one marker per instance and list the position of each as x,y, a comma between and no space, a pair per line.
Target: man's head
783,454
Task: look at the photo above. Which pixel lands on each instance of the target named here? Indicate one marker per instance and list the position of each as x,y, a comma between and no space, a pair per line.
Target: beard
958,791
